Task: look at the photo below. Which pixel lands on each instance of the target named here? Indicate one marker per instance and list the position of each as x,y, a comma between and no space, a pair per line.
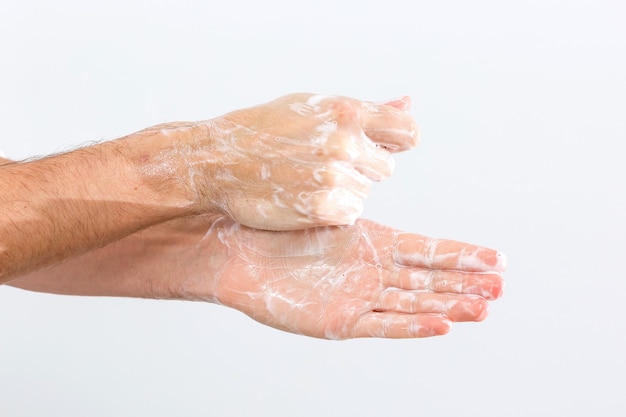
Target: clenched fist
300,161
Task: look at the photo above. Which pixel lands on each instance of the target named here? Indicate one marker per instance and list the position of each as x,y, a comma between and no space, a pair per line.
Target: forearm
113,270
157,262
64,205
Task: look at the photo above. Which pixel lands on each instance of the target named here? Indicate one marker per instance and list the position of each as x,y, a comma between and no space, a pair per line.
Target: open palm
365,280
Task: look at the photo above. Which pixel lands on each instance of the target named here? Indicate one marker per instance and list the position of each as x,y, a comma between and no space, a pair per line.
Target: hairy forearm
64,205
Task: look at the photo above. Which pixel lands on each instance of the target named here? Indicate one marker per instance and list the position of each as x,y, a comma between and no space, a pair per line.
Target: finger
374,161
421,251
457,307
390,127
487,285
358,152
397,325
338,205
312,195
402,103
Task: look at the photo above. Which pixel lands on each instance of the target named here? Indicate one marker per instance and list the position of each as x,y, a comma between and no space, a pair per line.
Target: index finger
390,125
425,252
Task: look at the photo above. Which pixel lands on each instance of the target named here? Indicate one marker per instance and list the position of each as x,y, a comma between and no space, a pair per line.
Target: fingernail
481,309
502,261
401,103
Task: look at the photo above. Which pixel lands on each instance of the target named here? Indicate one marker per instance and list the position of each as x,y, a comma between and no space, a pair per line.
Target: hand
364,280
300,161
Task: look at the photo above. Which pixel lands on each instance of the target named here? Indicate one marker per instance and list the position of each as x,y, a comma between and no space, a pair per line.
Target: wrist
176,164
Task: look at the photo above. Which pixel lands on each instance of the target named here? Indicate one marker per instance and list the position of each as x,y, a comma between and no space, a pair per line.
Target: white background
522,107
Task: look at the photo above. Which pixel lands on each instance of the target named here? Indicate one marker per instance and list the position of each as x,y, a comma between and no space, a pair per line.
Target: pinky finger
401,326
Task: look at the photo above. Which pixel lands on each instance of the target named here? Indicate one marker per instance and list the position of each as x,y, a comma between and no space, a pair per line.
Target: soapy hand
300,161
308,160
363,280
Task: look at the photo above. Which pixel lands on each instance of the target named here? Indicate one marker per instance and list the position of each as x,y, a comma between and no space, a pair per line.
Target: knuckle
326,177
343,148
345,111
415,134
336,206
